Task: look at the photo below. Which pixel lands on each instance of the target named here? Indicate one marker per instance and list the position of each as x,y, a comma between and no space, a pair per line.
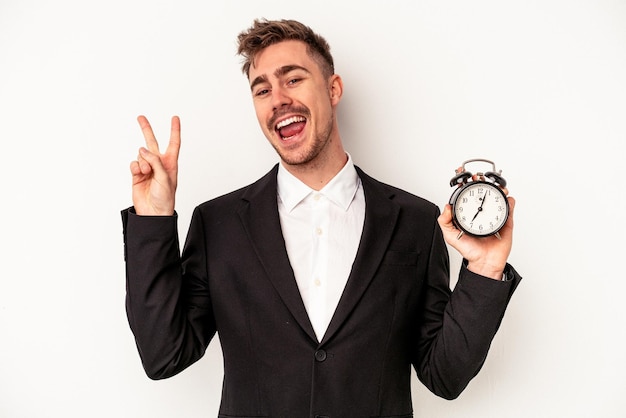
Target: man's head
295,94
264,33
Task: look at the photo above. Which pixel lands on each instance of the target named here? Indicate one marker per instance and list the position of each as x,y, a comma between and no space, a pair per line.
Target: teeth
289,121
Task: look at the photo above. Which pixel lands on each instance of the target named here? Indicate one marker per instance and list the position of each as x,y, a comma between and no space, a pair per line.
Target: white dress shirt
322,231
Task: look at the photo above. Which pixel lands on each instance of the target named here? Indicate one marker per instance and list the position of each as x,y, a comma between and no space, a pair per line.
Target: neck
317,173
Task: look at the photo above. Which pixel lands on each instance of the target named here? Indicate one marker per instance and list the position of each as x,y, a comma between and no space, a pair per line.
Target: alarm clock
480,207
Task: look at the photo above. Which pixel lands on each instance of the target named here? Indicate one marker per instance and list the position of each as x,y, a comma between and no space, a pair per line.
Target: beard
311,152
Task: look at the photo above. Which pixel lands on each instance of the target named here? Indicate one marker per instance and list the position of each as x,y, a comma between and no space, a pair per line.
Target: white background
537,86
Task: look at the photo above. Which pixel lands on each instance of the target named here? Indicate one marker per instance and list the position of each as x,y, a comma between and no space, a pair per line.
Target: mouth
290,127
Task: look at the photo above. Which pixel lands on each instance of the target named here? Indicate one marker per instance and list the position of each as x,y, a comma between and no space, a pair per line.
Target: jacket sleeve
168,308
458,328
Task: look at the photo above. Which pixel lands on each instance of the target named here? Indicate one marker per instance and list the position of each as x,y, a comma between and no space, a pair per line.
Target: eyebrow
281,71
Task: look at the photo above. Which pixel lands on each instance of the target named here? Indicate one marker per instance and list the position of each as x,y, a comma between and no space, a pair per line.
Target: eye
261,92
293,81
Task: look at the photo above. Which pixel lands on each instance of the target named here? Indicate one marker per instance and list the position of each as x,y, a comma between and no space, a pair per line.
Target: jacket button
320,355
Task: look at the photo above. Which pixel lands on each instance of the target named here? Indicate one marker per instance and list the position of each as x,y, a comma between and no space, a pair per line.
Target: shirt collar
340,190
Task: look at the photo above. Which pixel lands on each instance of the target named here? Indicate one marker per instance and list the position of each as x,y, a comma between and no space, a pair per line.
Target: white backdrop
537,86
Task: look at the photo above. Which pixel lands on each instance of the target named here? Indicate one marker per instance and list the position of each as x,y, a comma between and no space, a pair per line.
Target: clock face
480,208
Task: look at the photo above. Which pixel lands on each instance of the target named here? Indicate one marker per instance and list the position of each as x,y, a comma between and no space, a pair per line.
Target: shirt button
318,231
320,355
316,197
317,282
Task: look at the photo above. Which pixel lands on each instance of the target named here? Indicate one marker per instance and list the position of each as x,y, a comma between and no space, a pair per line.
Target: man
324,285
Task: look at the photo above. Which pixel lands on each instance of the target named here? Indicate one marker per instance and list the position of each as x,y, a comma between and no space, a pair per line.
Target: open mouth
290,127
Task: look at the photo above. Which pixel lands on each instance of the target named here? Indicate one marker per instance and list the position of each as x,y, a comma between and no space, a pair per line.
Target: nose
280,98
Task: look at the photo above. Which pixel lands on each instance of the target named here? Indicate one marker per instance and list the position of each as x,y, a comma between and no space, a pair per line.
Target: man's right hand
155,175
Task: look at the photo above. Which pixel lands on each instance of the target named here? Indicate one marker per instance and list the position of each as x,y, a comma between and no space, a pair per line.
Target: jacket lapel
259,215
381,215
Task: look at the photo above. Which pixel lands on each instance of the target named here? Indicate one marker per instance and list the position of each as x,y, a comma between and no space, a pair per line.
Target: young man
325,285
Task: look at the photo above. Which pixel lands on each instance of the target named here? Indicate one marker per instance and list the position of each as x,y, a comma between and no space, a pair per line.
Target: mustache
304,111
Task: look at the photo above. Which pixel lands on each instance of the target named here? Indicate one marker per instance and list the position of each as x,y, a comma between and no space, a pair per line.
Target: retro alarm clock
479,205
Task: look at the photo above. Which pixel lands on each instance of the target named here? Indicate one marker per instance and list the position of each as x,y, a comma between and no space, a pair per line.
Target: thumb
445,219
153,160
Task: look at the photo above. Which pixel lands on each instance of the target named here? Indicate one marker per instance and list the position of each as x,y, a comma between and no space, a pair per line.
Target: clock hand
480,208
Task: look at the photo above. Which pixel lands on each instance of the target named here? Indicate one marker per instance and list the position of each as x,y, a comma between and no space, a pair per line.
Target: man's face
294,102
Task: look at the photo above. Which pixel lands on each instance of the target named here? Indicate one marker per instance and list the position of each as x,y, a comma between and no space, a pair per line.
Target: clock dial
480,208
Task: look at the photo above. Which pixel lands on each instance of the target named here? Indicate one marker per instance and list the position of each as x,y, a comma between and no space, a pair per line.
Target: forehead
279,55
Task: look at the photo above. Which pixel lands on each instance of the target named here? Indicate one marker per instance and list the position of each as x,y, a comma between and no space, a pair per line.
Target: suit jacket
234,278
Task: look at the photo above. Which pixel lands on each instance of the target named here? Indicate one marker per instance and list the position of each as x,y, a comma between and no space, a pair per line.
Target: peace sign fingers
155,175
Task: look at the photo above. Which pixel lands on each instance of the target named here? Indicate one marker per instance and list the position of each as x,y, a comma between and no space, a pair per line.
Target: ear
335,89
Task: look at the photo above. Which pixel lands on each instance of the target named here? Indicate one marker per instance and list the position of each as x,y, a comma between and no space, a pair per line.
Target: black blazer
234,278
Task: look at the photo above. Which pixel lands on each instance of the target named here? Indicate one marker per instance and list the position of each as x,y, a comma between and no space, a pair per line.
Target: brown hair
264,33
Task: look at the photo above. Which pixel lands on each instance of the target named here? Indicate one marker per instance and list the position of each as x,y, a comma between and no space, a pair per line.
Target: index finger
148,135
174,145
